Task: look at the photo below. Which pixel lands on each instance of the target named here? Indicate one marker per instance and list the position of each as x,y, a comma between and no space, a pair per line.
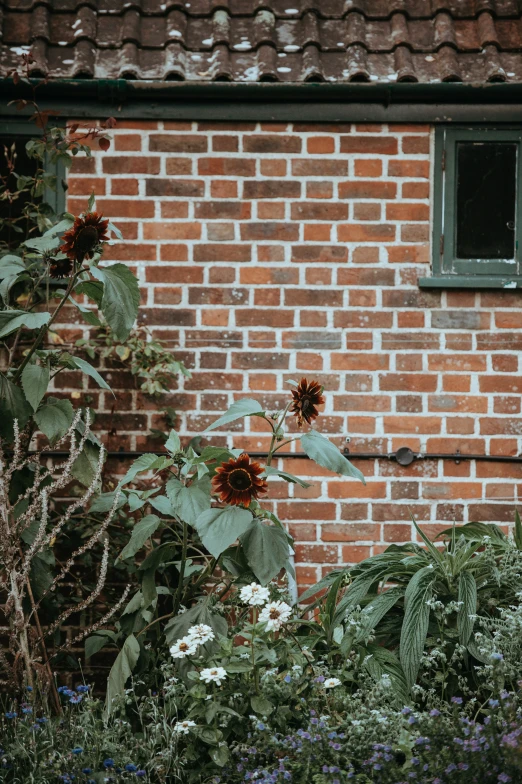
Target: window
477,223
18,134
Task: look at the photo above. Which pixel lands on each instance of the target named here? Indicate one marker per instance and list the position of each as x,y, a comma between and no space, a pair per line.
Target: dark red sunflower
306,397
83,238
60,268
238,481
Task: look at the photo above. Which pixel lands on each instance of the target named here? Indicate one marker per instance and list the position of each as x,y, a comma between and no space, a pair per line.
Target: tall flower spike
306,397
83,238
238,481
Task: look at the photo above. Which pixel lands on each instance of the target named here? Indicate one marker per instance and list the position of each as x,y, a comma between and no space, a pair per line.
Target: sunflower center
87,239
240,479
306,403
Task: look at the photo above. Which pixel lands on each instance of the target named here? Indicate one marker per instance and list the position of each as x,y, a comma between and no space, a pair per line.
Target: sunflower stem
179,592
45,328
252,649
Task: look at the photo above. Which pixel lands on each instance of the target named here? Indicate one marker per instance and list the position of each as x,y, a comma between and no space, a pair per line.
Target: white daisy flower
275,615
184,647
213,675
331,683
183,727
254,595
201,633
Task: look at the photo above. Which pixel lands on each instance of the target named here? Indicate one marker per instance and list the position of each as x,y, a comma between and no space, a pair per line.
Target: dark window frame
447,270
15,127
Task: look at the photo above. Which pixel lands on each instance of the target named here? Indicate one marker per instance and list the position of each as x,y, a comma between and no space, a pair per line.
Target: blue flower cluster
75,695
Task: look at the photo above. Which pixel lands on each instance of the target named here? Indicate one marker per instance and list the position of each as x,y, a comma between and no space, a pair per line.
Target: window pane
486,194
14,162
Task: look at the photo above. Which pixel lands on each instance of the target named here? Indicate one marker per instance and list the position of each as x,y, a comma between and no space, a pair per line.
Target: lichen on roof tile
243,40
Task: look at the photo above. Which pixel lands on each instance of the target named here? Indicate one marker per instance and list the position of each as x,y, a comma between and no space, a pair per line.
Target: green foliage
184,541
121,298
320,449
426,604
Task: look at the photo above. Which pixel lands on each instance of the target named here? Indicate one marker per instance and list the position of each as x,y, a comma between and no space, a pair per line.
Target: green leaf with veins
35,380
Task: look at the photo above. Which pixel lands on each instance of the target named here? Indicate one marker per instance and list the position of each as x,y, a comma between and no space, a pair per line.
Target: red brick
222,252
171,142
271,189
130,164
269,230
227,167
319,145
407,212
365,232
367,189
380,145
130,142
269,143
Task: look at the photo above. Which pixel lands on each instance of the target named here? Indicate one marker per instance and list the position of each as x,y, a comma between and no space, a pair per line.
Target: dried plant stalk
33,509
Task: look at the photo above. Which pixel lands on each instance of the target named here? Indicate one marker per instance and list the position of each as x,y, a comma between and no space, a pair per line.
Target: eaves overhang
442,102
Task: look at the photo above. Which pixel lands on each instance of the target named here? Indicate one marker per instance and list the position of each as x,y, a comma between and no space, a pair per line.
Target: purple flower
108,763
11,715
434,712
288,679
456,700
141,774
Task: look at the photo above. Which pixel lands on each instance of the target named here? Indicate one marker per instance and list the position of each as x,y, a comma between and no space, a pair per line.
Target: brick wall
267,252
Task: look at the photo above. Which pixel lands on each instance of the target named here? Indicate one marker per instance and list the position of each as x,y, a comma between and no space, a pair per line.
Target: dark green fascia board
311,101
470,282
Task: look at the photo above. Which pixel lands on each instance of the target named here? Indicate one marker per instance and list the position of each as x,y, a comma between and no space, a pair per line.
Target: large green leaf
476,532
321,450
241,408
11,266
162,505
468,607
173,443
92,289
269,471
55,418
381,661
88,369
104,502
378,607
416,620
121,670
35,380
266,548
13,405
11,320
219,528
86,464
121,297
140,533
143,463
189,502
97,641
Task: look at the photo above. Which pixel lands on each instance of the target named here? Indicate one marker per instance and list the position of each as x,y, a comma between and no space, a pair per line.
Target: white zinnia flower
184,726
254,595
275,615
331,683
200,634
184,647
213,675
